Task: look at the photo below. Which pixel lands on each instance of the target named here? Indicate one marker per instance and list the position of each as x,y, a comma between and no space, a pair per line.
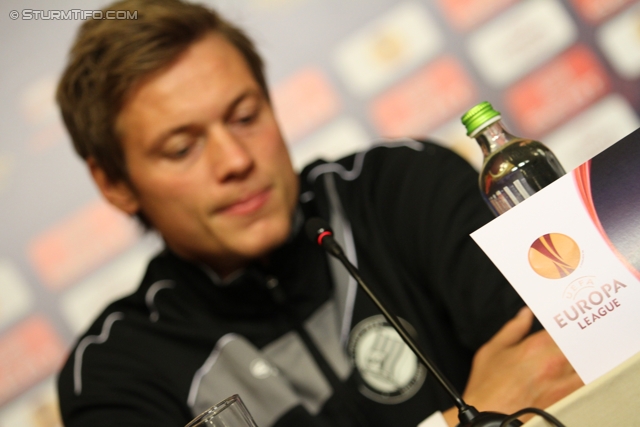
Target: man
172,115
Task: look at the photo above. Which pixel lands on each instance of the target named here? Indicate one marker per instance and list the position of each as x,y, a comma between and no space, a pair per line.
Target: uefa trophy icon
231,412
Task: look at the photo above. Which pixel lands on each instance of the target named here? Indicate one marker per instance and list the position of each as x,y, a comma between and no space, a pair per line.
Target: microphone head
316,227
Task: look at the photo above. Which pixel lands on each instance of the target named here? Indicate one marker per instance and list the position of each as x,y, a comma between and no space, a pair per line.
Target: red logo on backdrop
433,95
558,91
466,14
80,243
29,352
597,10
554,256
291,99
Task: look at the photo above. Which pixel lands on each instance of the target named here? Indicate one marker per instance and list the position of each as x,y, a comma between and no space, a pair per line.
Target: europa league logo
554,256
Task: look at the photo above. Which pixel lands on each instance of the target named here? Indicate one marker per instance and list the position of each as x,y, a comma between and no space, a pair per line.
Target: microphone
319,231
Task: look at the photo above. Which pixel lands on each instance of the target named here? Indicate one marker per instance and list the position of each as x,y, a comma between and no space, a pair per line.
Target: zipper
344,397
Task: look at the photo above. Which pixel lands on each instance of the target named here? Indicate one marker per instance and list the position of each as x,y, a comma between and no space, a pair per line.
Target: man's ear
118,193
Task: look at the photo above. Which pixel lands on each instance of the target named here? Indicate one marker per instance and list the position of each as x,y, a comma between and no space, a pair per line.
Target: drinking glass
231,412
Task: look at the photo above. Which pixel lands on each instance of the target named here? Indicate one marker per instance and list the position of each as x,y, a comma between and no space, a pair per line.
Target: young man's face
207,164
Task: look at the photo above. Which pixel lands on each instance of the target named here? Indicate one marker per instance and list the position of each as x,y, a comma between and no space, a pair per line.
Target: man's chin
266,237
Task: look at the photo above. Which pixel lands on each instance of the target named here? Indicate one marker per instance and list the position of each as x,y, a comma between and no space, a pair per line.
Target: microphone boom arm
319,231
466,412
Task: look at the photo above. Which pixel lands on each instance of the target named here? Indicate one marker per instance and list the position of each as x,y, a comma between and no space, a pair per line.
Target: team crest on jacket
389,370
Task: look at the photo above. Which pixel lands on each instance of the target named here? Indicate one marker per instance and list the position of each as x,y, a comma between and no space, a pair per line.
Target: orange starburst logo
554,256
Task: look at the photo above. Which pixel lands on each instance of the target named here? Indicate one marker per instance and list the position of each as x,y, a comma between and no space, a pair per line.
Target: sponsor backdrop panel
344,74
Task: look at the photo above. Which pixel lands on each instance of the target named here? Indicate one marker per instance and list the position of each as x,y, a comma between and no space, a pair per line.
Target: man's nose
230,159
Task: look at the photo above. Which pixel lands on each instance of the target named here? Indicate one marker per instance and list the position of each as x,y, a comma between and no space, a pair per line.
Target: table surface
611,400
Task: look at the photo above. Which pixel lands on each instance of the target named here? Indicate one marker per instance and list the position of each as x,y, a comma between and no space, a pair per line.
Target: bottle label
510,195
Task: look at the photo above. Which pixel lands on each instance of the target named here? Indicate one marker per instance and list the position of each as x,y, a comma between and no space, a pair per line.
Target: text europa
585,312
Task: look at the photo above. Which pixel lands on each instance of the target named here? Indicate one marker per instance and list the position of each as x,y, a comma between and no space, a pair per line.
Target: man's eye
245,114
179,149
182,152
246,119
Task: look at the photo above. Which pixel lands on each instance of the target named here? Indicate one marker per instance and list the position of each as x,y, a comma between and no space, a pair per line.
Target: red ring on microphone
322,236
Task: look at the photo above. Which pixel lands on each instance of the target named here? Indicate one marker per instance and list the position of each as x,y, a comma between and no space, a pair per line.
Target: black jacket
294,336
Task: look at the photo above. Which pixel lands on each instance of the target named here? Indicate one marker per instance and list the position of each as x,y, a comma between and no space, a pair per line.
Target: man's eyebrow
155,145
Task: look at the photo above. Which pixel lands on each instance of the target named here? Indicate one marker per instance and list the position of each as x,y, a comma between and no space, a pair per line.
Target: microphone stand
468,415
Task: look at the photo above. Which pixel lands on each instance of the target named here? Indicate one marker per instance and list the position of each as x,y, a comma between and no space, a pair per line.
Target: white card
619,40
380,52
571,252
524,37
16,298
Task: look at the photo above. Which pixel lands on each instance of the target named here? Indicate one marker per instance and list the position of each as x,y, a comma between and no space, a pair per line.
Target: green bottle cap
478,116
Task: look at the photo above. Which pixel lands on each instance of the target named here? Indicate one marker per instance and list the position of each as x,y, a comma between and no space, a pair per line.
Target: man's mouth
249,204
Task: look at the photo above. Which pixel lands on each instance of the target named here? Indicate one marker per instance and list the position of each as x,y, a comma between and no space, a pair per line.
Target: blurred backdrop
344,73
